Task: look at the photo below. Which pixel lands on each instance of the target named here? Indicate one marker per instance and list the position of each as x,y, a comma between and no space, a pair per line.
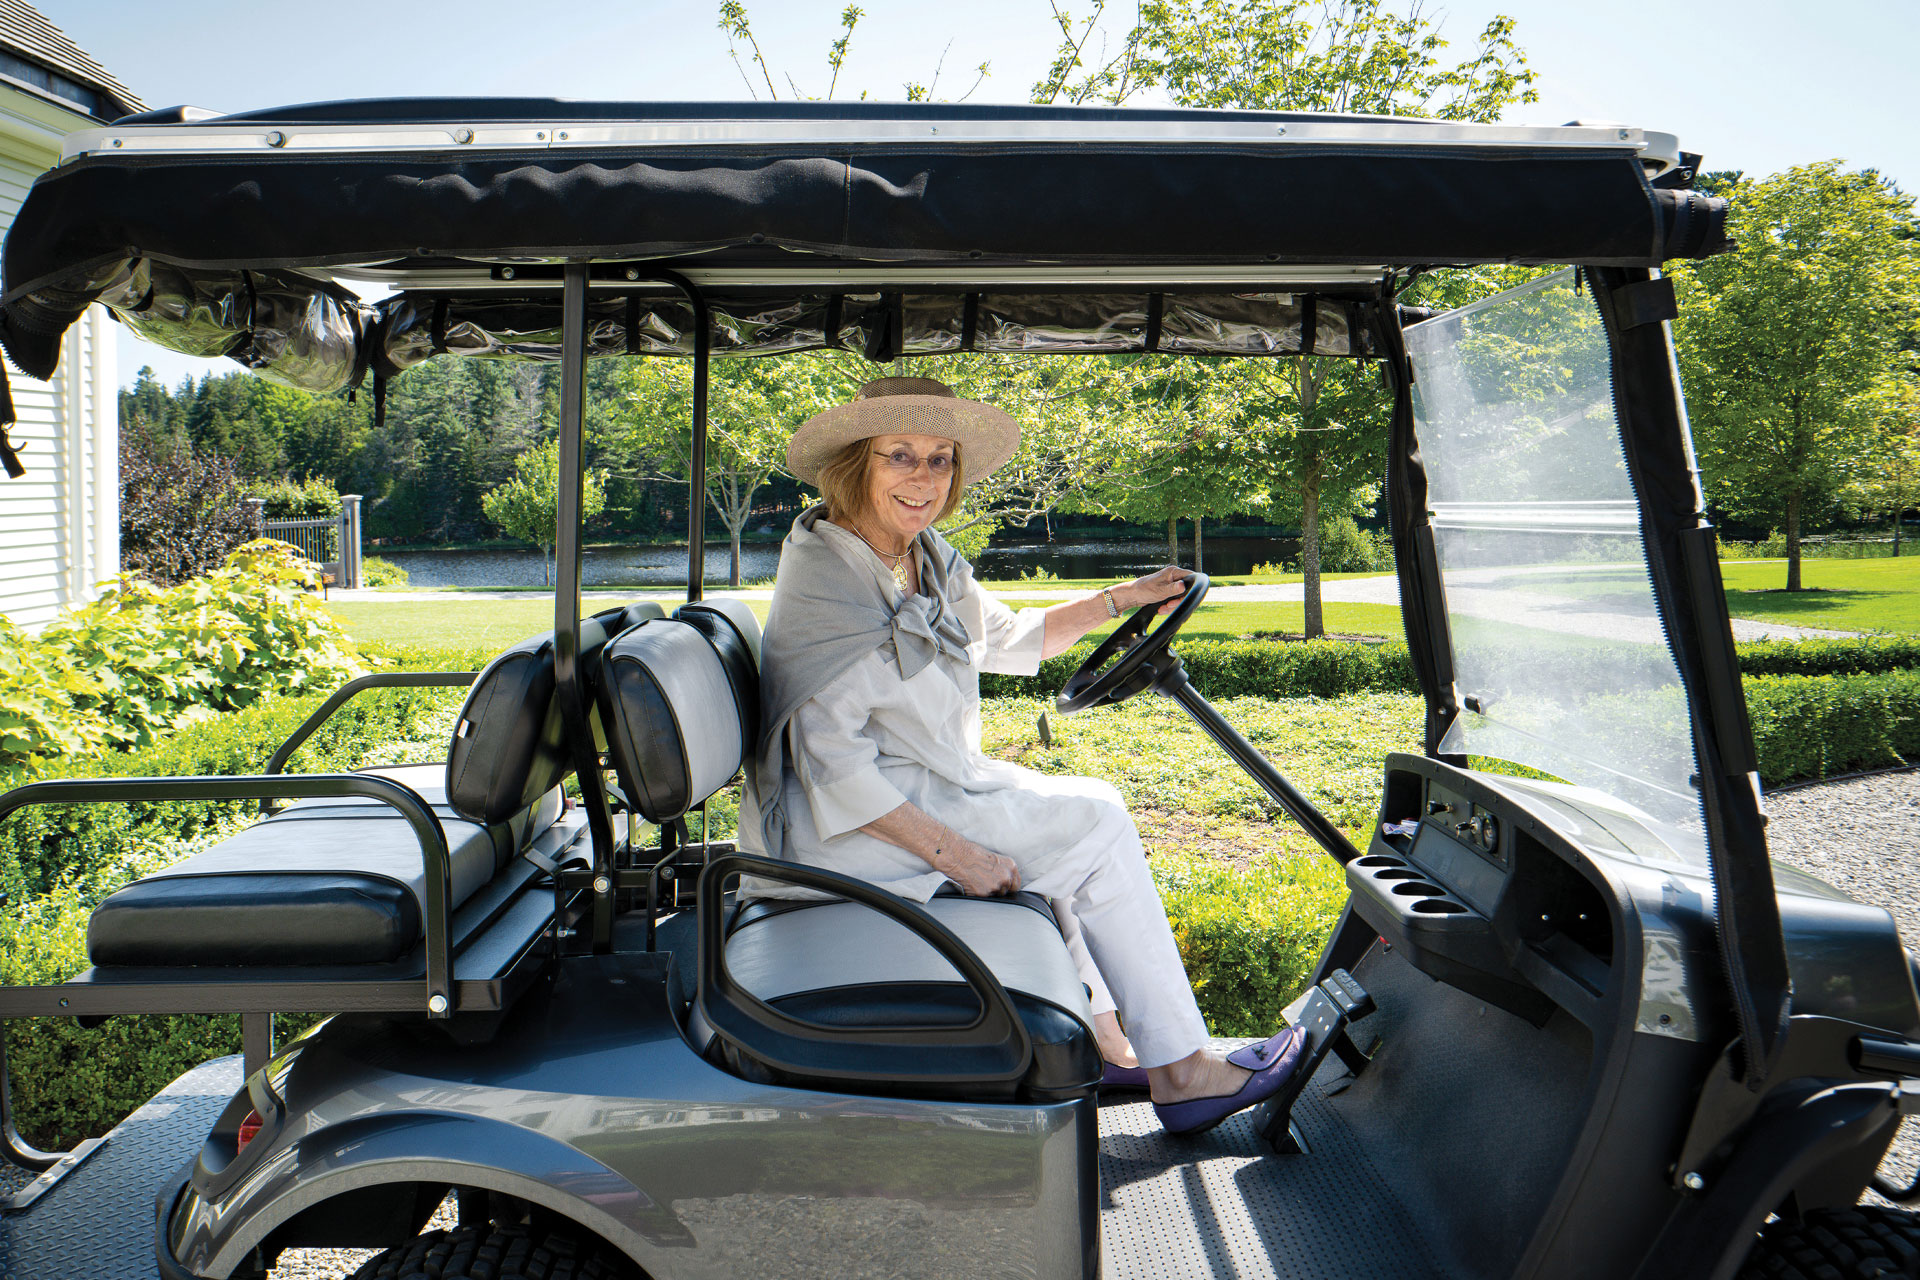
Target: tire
503,1253
1866,1243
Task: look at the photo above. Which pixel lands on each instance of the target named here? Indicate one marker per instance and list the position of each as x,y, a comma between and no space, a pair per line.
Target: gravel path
1861,836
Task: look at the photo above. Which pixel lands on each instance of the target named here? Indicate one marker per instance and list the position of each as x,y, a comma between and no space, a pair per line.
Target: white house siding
60,523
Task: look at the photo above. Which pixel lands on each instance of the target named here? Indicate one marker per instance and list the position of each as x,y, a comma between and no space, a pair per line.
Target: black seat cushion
292,890
734,633
429,782
510,743
674,730
845,965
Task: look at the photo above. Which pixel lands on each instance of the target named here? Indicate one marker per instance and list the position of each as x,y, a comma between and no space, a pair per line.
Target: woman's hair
843,481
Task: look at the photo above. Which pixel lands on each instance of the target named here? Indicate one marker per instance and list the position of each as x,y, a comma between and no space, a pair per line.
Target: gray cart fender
213,1237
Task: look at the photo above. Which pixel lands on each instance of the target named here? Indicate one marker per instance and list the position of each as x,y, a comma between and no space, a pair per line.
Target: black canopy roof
808,202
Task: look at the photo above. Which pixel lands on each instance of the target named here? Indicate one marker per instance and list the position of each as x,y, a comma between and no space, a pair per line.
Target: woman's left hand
1162,584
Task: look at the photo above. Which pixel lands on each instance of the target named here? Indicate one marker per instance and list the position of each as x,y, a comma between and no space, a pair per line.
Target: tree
753,407
181,509
1076,438
1326,55
1306,55
1785,342
1323,427
528,506
1888,480
1188,461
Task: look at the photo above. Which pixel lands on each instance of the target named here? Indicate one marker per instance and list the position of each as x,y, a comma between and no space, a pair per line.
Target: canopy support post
569,681
697,468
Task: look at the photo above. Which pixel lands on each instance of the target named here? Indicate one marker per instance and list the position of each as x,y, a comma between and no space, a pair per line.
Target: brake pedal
1330,1010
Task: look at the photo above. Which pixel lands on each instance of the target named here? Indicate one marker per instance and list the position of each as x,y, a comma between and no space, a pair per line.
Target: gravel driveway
1861,835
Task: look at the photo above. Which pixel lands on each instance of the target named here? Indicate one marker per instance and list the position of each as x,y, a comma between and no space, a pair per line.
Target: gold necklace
899,562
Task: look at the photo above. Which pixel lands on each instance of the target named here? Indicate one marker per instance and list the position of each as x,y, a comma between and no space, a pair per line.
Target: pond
666,565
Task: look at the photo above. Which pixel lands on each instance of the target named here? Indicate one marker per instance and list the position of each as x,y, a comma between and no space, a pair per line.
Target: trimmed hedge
1814,726
1335,668
40,845
70,1083
1247,668
1249,936
1862,655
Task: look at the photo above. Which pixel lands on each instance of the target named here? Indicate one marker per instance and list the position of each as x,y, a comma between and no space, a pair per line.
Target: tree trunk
546,563
1898,512
1199,546
1173,539
1793,541
733,537
1314,627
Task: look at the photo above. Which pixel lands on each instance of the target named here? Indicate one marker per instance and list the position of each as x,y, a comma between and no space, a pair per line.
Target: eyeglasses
906,462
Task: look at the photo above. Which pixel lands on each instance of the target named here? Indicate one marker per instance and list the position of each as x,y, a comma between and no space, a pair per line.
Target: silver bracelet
1113,610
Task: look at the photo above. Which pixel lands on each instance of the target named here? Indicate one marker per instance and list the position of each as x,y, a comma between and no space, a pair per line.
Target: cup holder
1404,873
1418,889
1439,907
1379,860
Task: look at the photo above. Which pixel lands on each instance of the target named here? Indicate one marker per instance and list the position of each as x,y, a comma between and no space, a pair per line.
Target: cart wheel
1868,1243
503,1253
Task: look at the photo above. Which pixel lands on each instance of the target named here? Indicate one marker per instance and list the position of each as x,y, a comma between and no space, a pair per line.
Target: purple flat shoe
1272,1062
1116,1078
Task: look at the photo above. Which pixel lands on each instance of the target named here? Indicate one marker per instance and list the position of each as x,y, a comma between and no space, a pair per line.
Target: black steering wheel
1096,684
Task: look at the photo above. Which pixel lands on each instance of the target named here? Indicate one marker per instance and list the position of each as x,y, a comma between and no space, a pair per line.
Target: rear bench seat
342,881
680,716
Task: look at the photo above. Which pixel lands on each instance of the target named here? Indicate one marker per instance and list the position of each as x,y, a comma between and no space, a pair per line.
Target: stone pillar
259,508
350,541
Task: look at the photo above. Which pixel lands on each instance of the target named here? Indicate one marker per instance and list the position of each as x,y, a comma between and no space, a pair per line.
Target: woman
870,760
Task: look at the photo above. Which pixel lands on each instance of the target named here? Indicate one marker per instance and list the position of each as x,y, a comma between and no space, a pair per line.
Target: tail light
249,1129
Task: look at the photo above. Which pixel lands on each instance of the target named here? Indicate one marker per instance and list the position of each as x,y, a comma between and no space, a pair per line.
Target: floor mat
1223,1205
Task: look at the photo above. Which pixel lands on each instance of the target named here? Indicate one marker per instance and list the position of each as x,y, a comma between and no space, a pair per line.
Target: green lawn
1848,595
495,624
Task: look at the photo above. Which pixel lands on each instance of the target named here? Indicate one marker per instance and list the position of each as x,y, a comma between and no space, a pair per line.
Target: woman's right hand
979,873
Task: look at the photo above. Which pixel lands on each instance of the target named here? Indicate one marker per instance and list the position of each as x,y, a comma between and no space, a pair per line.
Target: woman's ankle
1114,1045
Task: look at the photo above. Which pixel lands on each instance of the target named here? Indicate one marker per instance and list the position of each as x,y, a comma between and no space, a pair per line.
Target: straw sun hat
909,407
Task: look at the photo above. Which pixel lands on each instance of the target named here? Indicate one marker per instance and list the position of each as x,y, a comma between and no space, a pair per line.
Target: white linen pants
1110,912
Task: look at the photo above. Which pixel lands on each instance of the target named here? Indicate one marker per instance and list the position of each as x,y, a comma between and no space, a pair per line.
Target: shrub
1857,656
42,845
1814,726
141,660
181,511
1334,668
1249,936
1240,668
1346,548
290,499
71,1082
376,572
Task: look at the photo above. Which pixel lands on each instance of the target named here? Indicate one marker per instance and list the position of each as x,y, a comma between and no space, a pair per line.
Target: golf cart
1570,1023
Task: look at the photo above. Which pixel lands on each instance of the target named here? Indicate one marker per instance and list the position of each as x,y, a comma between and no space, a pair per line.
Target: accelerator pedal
1330,1010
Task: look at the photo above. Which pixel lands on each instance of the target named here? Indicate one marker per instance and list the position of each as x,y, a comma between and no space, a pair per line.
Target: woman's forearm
979,872
911,828
1071,619
1067,622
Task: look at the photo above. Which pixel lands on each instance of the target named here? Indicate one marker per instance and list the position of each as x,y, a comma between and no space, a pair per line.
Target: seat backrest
734,633
509,745
679,700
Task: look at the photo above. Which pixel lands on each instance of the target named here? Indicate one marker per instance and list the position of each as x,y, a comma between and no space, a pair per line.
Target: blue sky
1757,85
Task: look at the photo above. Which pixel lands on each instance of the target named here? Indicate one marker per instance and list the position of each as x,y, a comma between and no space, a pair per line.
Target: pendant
900,576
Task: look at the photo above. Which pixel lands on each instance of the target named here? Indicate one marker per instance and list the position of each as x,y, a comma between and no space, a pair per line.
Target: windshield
1560,659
